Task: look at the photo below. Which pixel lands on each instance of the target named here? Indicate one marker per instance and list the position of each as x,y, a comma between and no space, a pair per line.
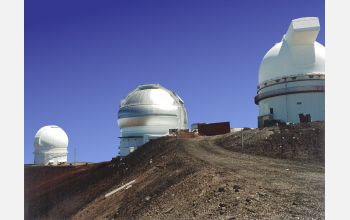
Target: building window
298,103
271,110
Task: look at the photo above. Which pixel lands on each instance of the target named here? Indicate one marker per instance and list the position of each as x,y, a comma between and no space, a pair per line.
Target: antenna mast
75,154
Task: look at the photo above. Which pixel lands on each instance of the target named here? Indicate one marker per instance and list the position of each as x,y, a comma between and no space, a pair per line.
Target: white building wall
288,107
127,143
54,157
130,144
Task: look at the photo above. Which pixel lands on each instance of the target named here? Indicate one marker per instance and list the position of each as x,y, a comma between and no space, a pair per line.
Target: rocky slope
277,174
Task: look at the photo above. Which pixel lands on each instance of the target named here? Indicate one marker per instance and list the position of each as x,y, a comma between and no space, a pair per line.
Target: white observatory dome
298,53
51,143
149,112
292,77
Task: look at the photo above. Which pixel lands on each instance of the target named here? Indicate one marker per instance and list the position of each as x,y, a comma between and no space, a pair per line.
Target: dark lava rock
221,189
222,205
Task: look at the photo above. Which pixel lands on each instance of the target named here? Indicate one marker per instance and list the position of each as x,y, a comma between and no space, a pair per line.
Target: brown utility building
212,129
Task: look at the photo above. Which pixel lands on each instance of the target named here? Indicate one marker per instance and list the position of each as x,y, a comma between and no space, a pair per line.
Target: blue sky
82,57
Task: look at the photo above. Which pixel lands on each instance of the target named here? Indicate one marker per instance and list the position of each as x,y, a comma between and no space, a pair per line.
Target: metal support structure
242,137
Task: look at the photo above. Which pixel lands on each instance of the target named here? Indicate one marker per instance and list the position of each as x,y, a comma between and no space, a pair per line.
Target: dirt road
199,178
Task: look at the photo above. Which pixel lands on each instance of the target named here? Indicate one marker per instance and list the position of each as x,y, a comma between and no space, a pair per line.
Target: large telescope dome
51,143
297,54
148,112
291,77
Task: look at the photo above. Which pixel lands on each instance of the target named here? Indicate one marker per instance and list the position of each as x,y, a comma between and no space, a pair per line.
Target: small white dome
51,136
297,53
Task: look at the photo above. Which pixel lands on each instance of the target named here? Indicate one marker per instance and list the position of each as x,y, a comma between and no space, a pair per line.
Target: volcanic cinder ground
277,174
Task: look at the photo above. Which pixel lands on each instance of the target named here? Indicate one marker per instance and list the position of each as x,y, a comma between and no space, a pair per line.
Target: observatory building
148,112
292,76
50,144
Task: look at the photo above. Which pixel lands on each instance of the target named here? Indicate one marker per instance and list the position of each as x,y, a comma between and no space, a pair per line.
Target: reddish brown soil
197,178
